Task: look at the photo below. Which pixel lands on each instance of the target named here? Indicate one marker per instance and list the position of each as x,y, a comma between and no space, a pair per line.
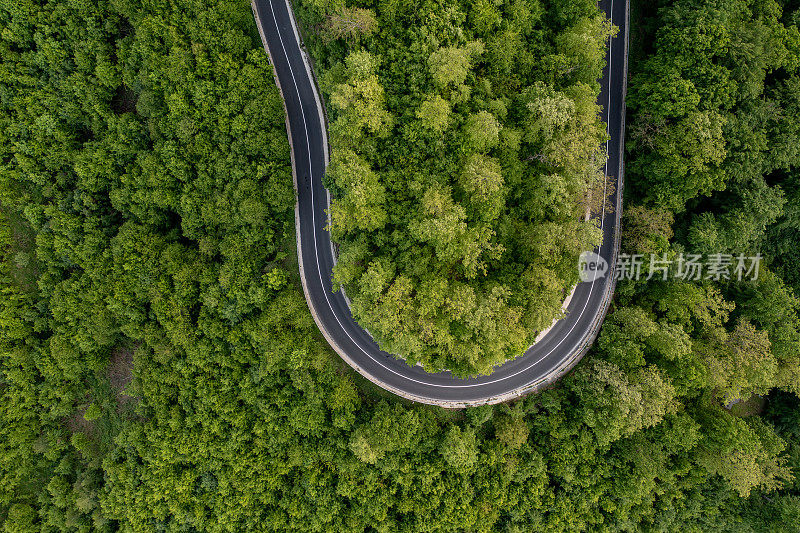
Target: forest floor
754,405
23,267
120,374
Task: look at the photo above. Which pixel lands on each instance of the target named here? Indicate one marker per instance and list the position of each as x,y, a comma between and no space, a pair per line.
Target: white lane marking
314,225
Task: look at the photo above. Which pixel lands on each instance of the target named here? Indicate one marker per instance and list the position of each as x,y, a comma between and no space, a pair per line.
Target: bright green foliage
743,452
745,366
584,44
771,305
459,449
689,154
434,113
481,132
389,431
710,359
628,403
461,171
361,206
483,182
147,209
451,65
360,102
145,150
563,131
93,412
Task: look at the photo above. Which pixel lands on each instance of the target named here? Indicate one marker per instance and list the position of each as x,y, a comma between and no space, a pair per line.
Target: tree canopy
159,367
472,157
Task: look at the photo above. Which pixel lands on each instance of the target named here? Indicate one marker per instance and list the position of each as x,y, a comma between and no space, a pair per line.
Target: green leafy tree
459,449
450,65
745,454
361,207
434,113
481,131
360,102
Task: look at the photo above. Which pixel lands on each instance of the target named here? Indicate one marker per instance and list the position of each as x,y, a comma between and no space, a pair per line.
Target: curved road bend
550,358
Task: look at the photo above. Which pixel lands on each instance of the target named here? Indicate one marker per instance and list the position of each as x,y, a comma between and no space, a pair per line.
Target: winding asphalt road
547,360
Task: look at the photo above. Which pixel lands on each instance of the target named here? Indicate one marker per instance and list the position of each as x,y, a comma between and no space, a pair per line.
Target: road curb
323,117
583,345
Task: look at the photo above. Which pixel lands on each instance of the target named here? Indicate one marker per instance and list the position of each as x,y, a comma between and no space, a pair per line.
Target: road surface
547,360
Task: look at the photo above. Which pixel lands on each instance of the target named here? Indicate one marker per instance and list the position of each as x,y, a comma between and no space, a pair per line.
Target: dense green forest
465,145
159,368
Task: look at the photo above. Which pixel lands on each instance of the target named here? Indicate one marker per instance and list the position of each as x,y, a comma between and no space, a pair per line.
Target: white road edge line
314,226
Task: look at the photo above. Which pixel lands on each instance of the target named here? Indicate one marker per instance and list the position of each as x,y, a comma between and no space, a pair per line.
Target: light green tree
360,102
361,207
450,65
459,448
481,131
434,113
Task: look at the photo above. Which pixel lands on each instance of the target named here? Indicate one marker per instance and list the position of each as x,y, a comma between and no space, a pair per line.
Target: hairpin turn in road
547,360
